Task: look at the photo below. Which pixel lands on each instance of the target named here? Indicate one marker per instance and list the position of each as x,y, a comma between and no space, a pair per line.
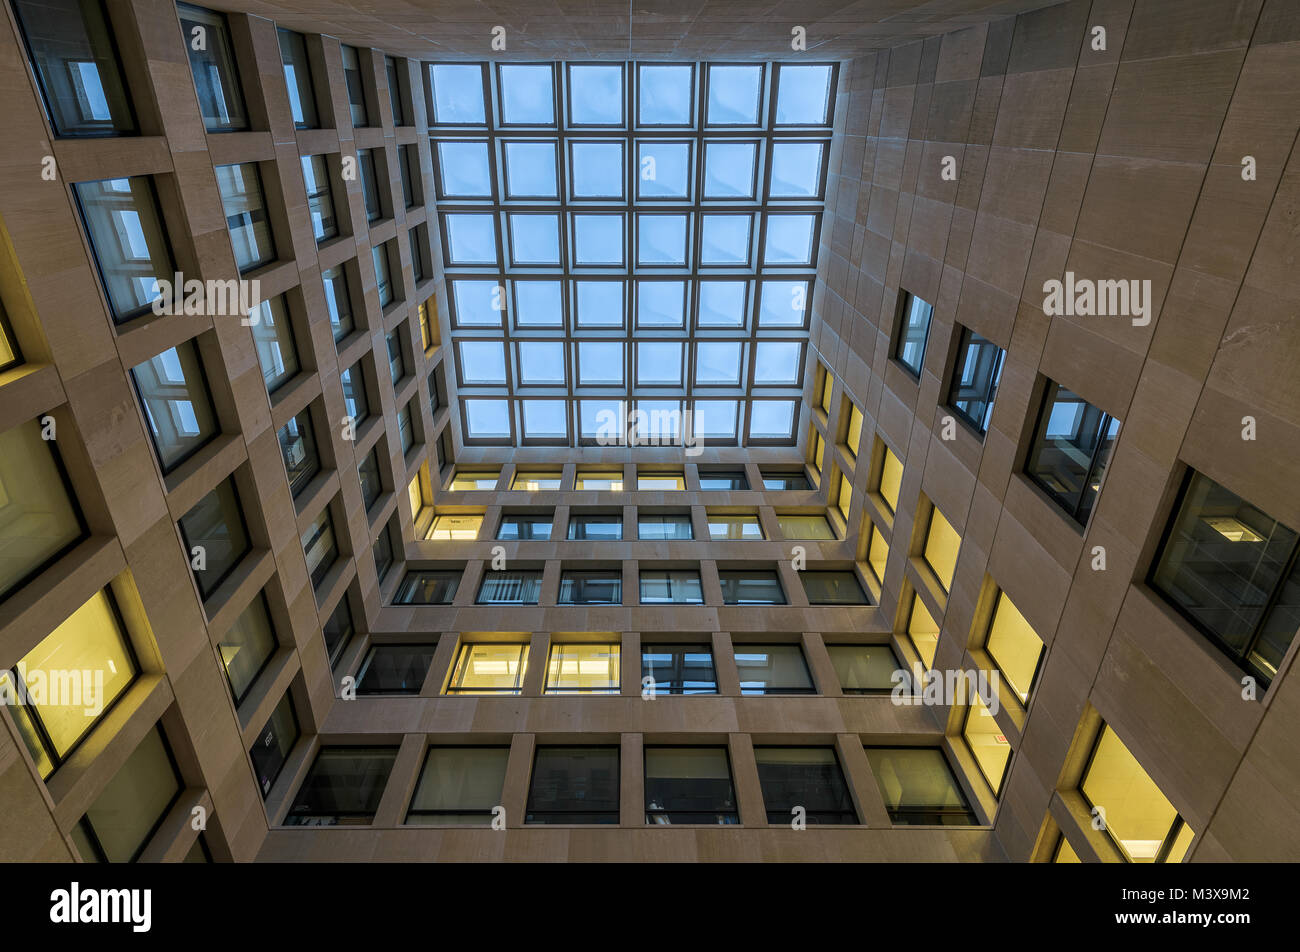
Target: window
215,537
519,587
370,183
91,642
818,448
679,669
595,528
383,278
355,403
660,481
689,785
918,787
975,379
126,234
833,588
467,482
75,59
1071,447
216,80
273,744
406,428
244,205
338,301
273,339
427,587
394,669
247,647
583,669
591,588
489,669
320,547
827,388
372,486
459,786
671,587
343,787
785,481
1140,820
324,219
923,631
355,86
532,482
590,479
419,270
1014,647
986,742
383,549
525,527
942,544
395,97
1234,572
338,630
807,778
913,333
723,525
891,479
751,588
663,527
119,824
795,526
39,520
297,79
573,785
298,447
455,527
864,669
844,497
853,435
877,551
724,479
773,669
9,353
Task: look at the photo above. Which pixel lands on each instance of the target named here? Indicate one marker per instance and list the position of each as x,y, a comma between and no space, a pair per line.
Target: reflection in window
320,204
734,526
671,587
177,406
298,447
833,588
130,245
244,205
320,547
1070,450
394,669
271,749
864,669
807,778
794,526
459,786
273,339
215,536
919,787
354,393
574,785
343,787
519,587
679,669
773,669
986,742
216,79
914,332
247,647
427,587
297,79
591,588
689,785
355,87
975,379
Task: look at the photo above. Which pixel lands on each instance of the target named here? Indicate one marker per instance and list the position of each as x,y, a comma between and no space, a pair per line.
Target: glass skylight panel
717,363
487,419
734,95
598,418
802,95
722,303
600,363
714,419
597,240
527,94
597,170
789,240
783,303
659,363
464,170
724,240
477,303
661,239
545,419
539,303
457,94
776,362
541,363
665,95
771,419
658,421
534,239
595,95
663,169
599,303
530,170
729,169
661,304
483,362
796,170
471,238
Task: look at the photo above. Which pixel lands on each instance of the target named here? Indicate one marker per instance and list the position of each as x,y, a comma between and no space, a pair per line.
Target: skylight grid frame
723,295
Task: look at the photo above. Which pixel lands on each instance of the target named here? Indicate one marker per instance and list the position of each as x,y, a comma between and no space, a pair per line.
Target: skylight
627,241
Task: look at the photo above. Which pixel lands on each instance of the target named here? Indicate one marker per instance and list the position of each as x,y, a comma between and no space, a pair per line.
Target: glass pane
489,669
245,211
1072,445
471,238
988,745
395,669
661,239
663,169
597,240
214,536
663,527
715,419
530,170
803,94
1139,817
599,303
574,785
545,419
538,303
459,786
483,362
789,240
130,245
671,587
596,95
464,169
729,169
298,447
659,363
488,419
772,669
344,787
216,78
915,331
527,94
722,303
1014,647
833,588
135,800
771,419
734,95
534,239
804,527
583,669
320,547
688,785
428,588
478,303
665,95
660,303
597,169
864,669
679,669
510,588
976,378
457,94
297,79
273,339
174,398
777,362
919,787
783,304
591,588
803,777
600,363
724,240
796,170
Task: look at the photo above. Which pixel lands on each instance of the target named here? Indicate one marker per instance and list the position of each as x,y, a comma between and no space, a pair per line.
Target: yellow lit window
448,527
426,323
923,630
583,669
8,353
536,481
877,551
660,481
734,526
845,497
489,669
1139,818
828,384
1014,647
611,481
891,479
853,438
819,449
795,526
67,682
941,545
1065,852
466,482
987,743
416,497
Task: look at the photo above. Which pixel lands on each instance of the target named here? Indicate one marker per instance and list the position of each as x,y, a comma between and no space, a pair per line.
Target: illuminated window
918,787
795,526
1065,852
987,743
467,482
828,386
853,436
489,669
660,481
9,354
247,647
394,669
818,449
914,332
679,669
428,587
773,669
69,682
533,482
1140,820
583,669
689,785
415,496
574,785
459,786
119,824
864,669
844,498
923,630
891,479
807,779
877,551
1014,647
343,787
449,527
1070,450
941,546
607,481
724,525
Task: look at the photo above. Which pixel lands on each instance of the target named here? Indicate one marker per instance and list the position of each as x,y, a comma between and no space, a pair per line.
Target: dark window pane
383,279
355,87
338,630
354,393
130,244
807,777
591,588
247,647
370,184
724,480
383,553
298,446
1071,446
395,97
343,788
216,527
864,669
689,785
212,61
459,786
273,744
914,332
297,78
671,586
395,669
780,481
320,547
427,588
273,339
174,396
396,365
918,787
773,669
975,379
244,205
679,669
833,588
574,785
751,588
371,486
324,220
